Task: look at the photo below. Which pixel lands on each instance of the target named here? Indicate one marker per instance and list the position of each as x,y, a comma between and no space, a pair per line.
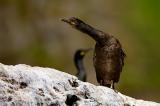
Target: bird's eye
82,53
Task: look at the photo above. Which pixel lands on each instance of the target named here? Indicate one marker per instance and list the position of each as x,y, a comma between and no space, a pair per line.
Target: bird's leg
112,84
101,82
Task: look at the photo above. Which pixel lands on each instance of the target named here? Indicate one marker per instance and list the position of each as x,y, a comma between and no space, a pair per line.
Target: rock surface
23,85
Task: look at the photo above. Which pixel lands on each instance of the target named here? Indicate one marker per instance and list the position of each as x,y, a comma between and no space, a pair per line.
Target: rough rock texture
23,85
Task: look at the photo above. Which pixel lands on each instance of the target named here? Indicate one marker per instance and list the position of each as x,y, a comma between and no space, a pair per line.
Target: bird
108,58
78,61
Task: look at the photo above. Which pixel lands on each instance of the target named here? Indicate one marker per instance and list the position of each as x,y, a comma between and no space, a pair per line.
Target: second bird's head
79,54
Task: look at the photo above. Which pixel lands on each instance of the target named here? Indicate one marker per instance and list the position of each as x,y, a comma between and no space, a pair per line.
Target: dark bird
78,60
108,54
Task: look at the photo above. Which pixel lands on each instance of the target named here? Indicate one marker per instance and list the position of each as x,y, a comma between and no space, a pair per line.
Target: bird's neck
81,74
79,65
97,35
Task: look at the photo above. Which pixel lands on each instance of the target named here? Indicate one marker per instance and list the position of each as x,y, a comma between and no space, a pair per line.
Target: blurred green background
31,33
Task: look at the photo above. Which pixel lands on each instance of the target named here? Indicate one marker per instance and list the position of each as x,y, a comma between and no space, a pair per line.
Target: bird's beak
65,20
68,21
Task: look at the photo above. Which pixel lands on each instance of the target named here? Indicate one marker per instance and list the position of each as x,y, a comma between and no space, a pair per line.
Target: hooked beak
65,20
68,21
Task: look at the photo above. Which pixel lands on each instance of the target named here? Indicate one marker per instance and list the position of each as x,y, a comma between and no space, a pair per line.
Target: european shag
108,56
78,60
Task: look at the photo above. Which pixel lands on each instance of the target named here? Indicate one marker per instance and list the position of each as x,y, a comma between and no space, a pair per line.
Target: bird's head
73,21
81,53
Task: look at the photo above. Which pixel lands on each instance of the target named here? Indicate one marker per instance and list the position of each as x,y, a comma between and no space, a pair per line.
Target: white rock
23,85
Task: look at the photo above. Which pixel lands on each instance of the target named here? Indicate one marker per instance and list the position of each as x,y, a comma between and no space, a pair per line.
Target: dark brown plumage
108,56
